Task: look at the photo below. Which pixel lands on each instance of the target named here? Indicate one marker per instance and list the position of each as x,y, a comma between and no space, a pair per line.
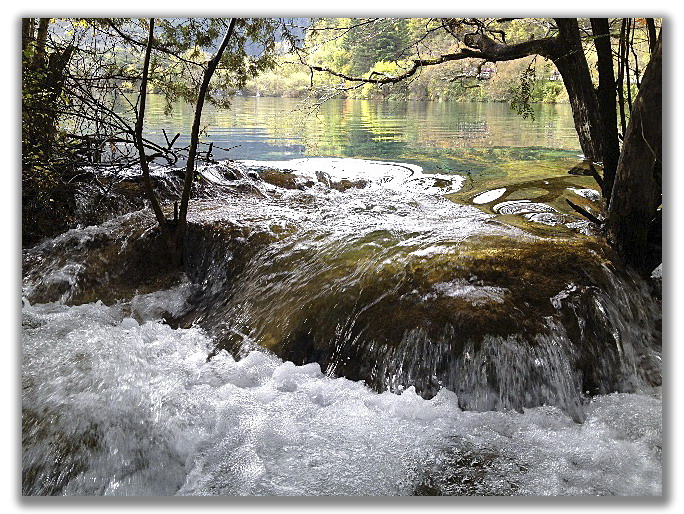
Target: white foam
590,194
147,414
158,304
522,207
388,175
475,294
398,199
489,196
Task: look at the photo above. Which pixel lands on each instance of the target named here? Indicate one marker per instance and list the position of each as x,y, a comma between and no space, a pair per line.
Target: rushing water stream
341,328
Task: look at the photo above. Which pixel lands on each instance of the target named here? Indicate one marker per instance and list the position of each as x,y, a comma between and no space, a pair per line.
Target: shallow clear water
486,145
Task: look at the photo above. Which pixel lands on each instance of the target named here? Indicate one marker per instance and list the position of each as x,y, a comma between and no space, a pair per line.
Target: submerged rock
107,262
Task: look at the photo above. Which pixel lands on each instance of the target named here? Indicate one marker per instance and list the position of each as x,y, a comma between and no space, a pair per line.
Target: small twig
170,143
596,175
79,175
584,213
655,155
229,148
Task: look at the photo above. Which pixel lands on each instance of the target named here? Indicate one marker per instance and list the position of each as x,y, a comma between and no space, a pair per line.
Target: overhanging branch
478,46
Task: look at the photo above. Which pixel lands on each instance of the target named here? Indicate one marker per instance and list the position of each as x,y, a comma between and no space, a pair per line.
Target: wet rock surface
390,285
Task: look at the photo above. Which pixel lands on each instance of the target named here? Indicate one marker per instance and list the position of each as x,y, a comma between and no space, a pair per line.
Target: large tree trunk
568,56
637,191
28,28
41,40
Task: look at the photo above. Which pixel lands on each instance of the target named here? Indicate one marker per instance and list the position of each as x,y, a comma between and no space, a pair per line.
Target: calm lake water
440,136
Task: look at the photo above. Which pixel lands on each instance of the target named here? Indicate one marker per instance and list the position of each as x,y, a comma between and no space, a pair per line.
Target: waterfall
340,327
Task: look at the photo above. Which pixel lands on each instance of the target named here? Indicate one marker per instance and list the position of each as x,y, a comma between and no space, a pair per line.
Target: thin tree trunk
139,123
607,104
194,139
628,80
637,80
637,192
652,36
621,77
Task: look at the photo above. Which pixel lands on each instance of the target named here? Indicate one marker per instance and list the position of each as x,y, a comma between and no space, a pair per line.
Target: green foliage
286,80
361,47
522,95
47,153
80,81
551,91
178,76
383,40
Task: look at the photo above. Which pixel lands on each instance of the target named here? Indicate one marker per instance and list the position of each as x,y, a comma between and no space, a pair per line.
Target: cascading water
340,328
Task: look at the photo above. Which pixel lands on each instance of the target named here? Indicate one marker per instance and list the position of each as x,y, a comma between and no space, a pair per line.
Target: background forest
383,45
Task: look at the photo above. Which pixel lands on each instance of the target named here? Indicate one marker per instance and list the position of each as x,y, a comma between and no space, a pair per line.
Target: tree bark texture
41,39
652,37
607,104
637,191
568,56
28,27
